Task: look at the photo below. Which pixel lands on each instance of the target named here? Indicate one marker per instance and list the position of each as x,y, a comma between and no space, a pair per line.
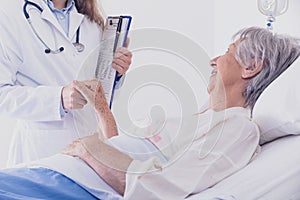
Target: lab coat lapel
75,21
49,16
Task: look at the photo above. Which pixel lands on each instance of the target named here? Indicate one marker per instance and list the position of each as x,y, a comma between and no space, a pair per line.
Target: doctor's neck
60,4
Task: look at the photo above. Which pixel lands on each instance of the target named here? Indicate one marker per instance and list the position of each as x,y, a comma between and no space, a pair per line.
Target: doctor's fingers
120,66
72,98
74,104
122,60
124,53
79,104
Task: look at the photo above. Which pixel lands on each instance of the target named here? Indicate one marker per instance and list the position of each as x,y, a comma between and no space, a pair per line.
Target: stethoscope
79,46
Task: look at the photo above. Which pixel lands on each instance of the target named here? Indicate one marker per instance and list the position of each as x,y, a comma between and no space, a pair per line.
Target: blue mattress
39,183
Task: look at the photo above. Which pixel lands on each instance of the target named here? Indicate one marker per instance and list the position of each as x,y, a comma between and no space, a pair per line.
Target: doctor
38,63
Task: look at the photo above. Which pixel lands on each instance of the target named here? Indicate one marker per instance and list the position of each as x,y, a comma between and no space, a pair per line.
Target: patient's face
226,71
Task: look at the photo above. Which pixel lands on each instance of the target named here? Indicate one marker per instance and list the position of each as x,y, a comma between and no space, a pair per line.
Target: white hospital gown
223,143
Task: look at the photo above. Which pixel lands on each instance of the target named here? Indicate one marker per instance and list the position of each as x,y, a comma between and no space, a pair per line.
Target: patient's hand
93,92
78,148
109,163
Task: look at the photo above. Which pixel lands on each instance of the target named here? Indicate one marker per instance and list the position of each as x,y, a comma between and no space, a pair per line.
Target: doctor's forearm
39,103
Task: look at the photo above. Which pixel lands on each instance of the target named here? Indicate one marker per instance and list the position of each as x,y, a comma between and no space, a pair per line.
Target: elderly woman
225,141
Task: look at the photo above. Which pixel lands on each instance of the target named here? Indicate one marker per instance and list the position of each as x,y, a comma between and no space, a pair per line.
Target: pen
118,32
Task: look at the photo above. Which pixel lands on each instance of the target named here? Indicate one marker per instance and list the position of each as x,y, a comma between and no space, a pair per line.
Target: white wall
233,15
193,18
209,23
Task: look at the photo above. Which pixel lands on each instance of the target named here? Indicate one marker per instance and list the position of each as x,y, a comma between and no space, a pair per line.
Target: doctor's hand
71,98
122,59
93,92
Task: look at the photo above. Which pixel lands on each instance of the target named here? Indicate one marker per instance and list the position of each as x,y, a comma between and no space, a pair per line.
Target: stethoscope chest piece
79,47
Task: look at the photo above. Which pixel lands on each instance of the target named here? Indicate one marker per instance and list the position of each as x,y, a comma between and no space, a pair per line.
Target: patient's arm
94,94
110,164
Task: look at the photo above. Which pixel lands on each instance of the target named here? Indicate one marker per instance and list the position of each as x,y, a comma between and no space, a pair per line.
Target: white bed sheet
273,175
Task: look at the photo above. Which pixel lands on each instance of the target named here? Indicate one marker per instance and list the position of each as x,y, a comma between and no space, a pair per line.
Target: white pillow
277,111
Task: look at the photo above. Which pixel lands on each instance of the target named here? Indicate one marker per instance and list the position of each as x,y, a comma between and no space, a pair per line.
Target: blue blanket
39,183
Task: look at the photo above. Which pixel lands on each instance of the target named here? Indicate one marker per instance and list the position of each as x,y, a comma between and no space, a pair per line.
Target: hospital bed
273,175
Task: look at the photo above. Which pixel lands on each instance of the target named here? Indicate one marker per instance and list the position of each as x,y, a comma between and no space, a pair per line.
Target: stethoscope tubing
33,4
77,44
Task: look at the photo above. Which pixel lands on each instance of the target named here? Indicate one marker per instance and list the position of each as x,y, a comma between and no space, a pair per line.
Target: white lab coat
31,80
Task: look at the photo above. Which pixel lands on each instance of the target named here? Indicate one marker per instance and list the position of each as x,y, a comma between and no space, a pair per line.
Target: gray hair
275,52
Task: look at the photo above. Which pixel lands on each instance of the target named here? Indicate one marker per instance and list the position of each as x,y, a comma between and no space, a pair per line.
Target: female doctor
42,43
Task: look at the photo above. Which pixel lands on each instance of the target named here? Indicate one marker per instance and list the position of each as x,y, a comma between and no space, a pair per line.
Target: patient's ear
253,70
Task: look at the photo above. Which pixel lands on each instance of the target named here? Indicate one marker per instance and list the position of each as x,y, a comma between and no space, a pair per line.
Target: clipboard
114,36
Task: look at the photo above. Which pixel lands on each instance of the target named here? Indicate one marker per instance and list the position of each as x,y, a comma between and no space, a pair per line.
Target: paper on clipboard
114,36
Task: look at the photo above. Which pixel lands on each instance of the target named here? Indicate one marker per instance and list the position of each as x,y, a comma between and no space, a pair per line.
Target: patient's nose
213,62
